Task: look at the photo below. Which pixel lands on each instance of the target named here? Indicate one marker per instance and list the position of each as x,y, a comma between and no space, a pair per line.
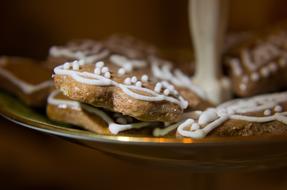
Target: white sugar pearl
97,71
107,75
265,72
267,112
255,76
100,64
273,67
121,71
158,87
67,65
242,87
195,126
105,69
121,120
127,81
134,79
138,83
76,66
144,78
166,92
278,108
207,116
245,79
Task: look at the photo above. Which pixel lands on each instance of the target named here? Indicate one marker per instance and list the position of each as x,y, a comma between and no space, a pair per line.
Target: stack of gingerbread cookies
124,86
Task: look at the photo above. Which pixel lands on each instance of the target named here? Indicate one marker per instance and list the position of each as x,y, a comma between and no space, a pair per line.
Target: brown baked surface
245,128
114,99
30,72
266,51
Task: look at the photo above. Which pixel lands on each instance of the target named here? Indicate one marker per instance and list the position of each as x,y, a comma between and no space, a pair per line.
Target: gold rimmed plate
208,154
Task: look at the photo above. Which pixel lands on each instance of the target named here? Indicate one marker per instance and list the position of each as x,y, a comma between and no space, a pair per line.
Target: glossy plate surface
209,154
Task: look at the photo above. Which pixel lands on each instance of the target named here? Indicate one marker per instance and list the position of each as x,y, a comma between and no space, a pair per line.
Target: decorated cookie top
116,72
89,50
261,57
124,69
259,109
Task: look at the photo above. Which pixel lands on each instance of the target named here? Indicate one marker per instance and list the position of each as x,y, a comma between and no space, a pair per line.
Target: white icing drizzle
96,79
113,126
157,132
52,100
236,110
24,86
260,57
246,60
158,87
236,67
127,64
88,50
162,70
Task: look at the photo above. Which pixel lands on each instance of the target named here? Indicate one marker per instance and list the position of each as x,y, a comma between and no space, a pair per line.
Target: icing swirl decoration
163,70
102,77
87,50
238,109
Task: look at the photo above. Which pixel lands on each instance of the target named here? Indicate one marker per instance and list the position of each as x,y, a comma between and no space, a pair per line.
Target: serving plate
208,154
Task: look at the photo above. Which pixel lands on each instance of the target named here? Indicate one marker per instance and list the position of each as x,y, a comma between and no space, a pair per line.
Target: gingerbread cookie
25,78
166,90
105,86
259,115
63,109
260,64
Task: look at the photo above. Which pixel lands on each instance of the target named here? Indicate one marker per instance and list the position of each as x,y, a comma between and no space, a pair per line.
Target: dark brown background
29,27
36,161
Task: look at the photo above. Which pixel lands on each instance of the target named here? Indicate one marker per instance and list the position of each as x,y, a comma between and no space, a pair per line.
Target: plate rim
90,136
